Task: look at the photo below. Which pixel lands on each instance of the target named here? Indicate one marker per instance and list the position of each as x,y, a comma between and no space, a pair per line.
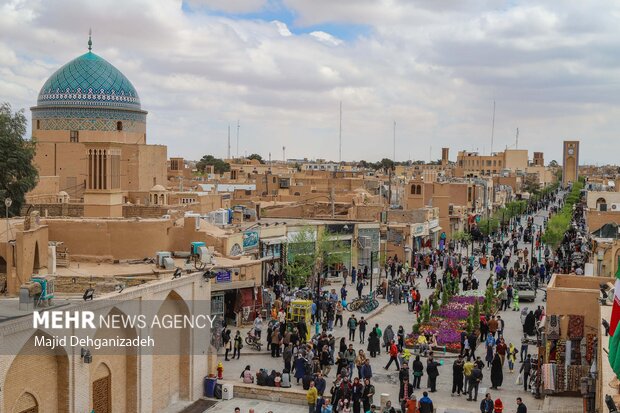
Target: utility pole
269,162
228,152
340,135
517,140
394,132
284,154
238,126
493,128
389,187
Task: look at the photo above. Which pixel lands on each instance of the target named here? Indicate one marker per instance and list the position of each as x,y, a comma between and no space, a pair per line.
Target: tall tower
570,162
445,156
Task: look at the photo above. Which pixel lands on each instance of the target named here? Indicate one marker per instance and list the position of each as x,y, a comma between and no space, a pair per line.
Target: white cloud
326,38
282,28
434,67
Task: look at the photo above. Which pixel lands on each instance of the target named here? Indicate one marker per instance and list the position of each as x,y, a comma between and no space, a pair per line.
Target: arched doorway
171,361
601,204
102,389
122,365
37,379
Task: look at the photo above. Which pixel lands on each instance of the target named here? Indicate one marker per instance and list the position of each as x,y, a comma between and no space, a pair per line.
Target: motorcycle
253,341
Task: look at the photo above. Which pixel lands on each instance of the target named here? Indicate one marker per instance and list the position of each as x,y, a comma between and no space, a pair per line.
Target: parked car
527,292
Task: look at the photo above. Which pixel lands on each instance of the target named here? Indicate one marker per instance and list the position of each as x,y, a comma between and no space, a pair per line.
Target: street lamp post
7,204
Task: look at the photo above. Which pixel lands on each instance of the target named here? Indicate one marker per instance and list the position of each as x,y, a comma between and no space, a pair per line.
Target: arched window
119,126
419,190
413,190
601,204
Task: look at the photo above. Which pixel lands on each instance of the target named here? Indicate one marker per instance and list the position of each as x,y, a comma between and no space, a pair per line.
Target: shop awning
274,240
436,229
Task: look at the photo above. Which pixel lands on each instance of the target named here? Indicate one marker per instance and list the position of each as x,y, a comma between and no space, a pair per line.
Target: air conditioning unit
205,255
227,391
613,207
160,257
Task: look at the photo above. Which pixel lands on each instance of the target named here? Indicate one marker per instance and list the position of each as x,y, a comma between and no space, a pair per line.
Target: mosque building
90,132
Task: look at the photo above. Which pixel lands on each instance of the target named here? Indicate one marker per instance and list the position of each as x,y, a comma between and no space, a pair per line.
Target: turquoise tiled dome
89,80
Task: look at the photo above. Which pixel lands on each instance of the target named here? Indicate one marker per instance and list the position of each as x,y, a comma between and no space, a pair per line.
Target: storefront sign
433,223
250,240
223,277
419,230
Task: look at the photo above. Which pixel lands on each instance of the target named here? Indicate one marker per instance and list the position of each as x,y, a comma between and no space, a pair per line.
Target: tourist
457,376
238,345
501,348
360,360
258,326
418,372
487,405
526,369
357,390
311,396
374,346
529,326
433,372
425,405
405,392
339,312
352,326
228,344
388,336
367,395
524,348
468,366
388,407
498,406
401,338
497,375
521,408
362,326
474,381
512,357
393,350
246,375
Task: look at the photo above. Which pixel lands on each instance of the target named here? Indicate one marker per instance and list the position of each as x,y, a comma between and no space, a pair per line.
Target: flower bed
447,322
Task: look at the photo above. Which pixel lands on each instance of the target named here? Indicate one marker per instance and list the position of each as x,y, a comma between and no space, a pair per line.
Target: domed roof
89,80
158,188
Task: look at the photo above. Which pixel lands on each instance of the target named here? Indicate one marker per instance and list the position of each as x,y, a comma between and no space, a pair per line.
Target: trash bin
209,386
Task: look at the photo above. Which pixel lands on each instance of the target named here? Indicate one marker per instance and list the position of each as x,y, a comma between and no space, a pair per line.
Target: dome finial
90,42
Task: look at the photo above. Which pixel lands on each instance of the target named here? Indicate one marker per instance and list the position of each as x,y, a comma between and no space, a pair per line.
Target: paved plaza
387,381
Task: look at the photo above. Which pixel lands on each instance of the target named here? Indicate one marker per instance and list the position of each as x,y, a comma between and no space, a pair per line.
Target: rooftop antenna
228,153
284,154
493,128
238,126
517,140
340,135
90,41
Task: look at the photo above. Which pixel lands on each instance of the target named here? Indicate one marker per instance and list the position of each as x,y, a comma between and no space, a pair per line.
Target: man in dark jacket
405,393
473,342
457,376
433,372
474,382
521,408
403,373
526,369
426,404
486,405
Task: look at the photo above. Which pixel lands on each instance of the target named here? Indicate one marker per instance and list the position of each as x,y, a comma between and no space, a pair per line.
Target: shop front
272,258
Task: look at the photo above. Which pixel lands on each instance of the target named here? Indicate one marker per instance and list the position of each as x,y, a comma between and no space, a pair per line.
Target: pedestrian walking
238,345
474,381
521,407
393,350
497,375
526,369
352,326
486,405
362,326
457,376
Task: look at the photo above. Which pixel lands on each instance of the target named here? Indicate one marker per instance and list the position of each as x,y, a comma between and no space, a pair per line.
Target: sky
281,68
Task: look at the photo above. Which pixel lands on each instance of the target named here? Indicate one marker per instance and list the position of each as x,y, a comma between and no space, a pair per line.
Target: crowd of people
337,372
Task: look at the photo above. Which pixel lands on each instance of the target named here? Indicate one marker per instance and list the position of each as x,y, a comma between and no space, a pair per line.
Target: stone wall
54,210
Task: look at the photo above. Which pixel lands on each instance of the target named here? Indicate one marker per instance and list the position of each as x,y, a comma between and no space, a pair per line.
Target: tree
257,157
310,254
219,166
18,175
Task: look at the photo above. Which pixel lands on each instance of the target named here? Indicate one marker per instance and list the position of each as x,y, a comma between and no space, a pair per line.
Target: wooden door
102,399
